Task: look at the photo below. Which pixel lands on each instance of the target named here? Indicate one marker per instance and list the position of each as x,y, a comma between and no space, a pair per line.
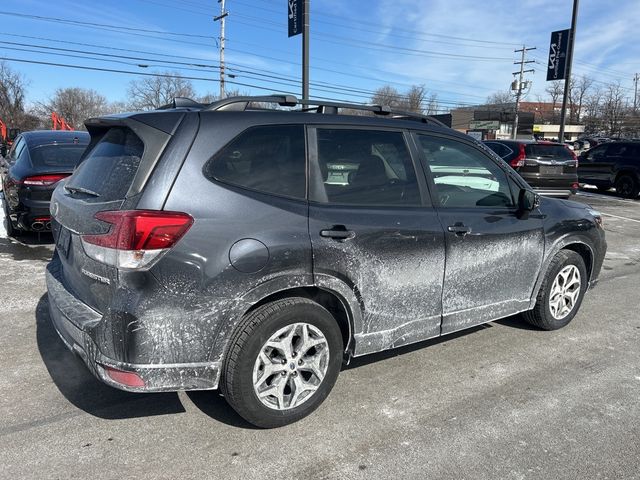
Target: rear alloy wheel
561,292
283,361
627,186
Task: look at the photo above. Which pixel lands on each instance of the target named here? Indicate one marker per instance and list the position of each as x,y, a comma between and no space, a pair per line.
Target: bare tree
579,89
387,95
150,93
75,105
555,90
592,106
500,98
614,108
432,104
12,96
413,100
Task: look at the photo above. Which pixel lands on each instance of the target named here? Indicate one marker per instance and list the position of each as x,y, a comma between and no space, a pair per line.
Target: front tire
282,362
561,292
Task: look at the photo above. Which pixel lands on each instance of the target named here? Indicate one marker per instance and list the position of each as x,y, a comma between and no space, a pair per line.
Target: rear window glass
269,159
109,169
502,150
57,156
540,150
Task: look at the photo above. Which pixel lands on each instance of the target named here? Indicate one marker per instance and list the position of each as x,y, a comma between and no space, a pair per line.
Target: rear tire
8,225
627,186
270,386
560,297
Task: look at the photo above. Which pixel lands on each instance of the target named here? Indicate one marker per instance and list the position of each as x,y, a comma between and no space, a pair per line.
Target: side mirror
528,200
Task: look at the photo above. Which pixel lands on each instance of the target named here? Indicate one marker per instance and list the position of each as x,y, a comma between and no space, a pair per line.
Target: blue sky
460,49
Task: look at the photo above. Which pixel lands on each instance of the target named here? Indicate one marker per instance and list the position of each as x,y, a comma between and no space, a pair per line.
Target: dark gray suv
213,246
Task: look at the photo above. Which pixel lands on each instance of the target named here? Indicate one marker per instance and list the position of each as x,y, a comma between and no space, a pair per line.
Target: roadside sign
484,125
557,63
294,14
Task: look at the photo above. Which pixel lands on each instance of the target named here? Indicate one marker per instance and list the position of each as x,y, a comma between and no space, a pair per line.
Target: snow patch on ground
3,232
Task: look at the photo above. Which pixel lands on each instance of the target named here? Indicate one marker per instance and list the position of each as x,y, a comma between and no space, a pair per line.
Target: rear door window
366,167
499,148
269,159
540,150
109,169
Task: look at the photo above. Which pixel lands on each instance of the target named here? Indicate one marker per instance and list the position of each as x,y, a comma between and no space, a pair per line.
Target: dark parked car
213,246
614,164
550,168
36,162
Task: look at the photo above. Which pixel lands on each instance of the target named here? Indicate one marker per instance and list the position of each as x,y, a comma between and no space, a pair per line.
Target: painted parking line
621,218
606,197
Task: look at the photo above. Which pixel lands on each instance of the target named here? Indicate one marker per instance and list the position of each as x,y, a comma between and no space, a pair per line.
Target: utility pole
520,84
223,15
305,49
636,77
567,78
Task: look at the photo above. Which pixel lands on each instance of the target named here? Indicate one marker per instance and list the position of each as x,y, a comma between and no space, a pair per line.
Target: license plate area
545,170
64,241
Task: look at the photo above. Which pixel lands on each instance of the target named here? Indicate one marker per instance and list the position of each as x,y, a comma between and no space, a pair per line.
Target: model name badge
96,277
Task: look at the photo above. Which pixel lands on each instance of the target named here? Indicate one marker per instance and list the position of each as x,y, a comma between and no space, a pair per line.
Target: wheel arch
330,300
578,245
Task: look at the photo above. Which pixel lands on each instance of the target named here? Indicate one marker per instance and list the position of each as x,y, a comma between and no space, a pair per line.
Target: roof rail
321,106
182,102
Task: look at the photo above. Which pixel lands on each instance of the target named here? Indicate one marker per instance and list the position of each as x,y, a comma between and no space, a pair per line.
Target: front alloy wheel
560,293
564,292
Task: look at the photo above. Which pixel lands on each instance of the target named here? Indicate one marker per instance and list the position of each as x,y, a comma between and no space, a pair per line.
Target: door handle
338,232
459,229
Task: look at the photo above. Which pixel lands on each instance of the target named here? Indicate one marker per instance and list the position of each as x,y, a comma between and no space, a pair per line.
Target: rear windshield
59,156
540,150
109,169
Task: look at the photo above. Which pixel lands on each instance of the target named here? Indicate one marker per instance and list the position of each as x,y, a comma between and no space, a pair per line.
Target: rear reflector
44,180
137,237
129,379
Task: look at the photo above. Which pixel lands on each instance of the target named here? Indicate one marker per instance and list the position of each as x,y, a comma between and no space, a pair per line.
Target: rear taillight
573,154
519,160
44,180
137,238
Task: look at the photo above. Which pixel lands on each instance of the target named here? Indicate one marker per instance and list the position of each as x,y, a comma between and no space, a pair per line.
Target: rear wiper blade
71,189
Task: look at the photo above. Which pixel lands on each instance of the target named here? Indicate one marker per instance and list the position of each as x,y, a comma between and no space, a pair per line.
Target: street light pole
305,49
567,78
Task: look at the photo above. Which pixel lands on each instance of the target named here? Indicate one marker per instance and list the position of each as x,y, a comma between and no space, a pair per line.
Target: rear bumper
76,325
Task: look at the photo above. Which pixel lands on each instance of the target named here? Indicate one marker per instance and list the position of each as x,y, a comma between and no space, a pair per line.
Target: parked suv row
206,246
615,164
551,168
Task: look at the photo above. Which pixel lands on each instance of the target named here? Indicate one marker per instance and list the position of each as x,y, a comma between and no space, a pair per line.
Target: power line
273,79
235,67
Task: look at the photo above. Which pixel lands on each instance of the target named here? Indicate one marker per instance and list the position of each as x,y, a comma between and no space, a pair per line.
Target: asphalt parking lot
499,401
